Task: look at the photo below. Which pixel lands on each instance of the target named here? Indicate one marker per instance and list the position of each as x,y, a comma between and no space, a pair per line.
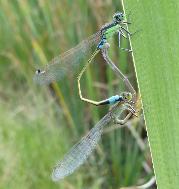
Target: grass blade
156,62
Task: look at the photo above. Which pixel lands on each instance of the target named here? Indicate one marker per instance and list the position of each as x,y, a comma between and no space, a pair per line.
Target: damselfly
81,151
68,61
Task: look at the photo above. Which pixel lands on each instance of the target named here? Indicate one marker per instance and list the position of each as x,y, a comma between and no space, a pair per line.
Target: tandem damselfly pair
66,62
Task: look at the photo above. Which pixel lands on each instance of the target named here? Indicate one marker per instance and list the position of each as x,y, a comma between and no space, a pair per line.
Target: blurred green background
39,124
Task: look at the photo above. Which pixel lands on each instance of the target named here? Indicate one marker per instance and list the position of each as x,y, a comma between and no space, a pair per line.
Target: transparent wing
80,151
68,61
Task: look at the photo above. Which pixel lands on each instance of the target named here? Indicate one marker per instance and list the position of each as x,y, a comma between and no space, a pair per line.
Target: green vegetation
38,124
157,67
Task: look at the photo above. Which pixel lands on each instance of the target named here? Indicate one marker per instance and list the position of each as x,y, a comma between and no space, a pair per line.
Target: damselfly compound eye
118,17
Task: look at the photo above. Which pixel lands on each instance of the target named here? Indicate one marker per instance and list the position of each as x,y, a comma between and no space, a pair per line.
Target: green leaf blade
156,49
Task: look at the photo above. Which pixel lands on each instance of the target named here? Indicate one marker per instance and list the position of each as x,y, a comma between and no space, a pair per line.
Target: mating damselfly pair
66,62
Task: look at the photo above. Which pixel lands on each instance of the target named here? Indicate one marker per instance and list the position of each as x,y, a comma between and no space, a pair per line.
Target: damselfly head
118,17
127,97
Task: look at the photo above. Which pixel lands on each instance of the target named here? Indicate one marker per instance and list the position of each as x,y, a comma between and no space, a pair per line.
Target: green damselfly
68,61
